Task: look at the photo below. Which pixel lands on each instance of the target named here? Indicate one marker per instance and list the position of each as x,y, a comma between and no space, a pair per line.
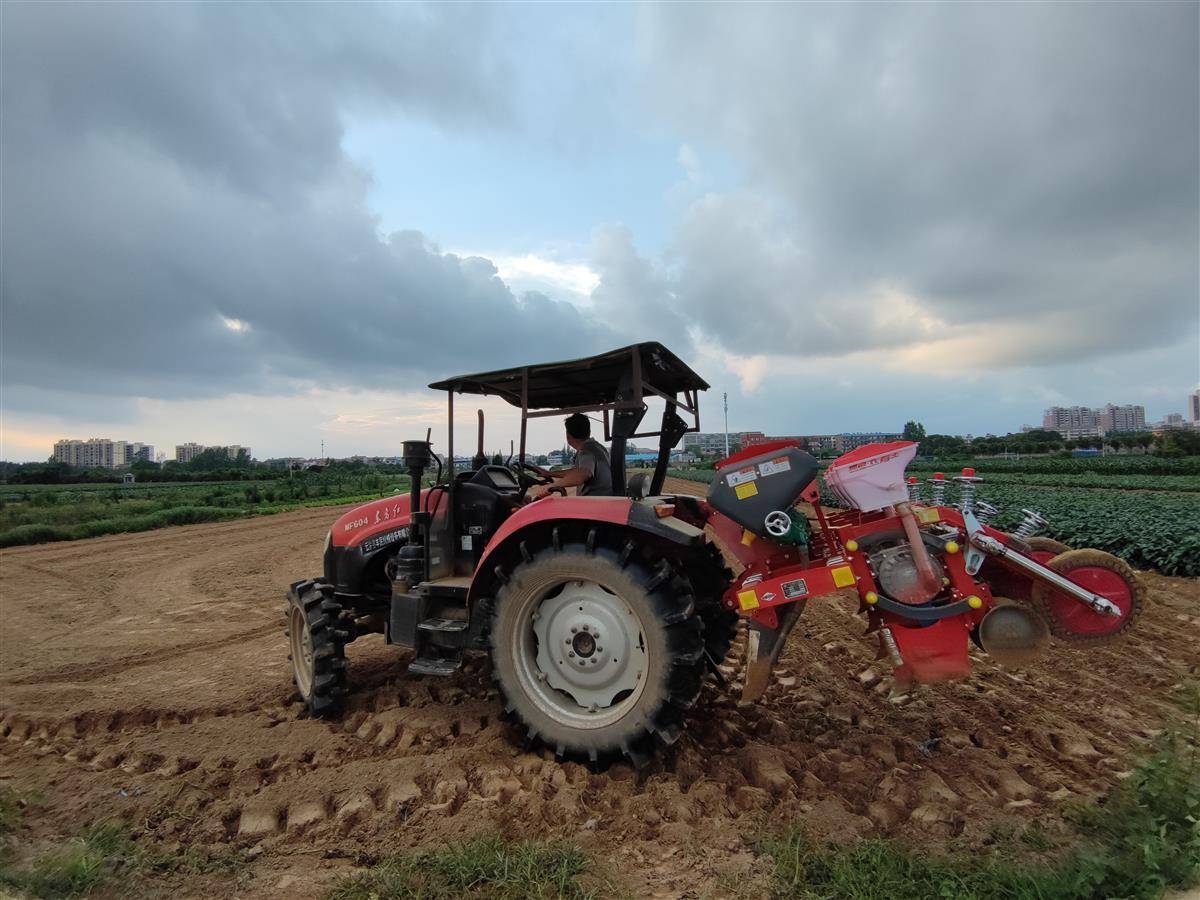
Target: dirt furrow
143,676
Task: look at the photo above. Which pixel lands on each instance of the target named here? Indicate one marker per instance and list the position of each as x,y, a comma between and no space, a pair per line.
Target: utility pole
725,401
322,451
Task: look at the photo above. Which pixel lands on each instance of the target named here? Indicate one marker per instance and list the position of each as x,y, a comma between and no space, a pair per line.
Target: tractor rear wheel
317,637
597,653
709,577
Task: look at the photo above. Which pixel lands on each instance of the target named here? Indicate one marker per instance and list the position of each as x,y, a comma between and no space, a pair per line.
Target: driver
591,473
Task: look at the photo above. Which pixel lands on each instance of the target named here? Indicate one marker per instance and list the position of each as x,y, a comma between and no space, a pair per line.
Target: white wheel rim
302,652
580,653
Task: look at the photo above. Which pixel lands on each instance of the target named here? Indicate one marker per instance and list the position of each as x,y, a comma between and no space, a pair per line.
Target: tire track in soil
419,761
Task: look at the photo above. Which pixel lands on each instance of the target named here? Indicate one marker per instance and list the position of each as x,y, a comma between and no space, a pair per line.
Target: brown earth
145,677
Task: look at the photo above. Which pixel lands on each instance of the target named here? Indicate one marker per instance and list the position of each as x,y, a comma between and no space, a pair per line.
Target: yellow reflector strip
843,576
748,600
743,491
928,515
748,537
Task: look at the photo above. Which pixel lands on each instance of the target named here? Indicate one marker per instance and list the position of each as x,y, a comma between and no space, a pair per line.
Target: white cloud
539,273
690,160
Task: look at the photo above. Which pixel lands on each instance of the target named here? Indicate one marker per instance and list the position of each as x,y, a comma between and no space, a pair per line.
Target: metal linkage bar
990,545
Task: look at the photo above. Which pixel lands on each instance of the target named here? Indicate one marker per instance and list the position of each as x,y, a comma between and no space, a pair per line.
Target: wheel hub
590,645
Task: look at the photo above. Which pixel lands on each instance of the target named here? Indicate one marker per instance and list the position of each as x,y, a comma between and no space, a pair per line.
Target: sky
274,224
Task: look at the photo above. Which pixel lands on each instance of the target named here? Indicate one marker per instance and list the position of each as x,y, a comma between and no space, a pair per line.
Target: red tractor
602,614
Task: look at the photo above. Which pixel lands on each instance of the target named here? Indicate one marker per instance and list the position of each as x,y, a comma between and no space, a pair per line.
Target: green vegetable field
36,514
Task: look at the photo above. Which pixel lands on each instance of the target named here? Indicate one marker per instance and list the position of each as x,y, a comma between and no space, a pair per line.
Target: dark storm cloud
179,217
1033,163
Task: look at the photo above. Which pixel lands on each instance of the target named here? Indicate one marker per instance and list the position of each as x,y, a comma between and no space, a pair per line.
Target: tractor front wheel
317,637
597,654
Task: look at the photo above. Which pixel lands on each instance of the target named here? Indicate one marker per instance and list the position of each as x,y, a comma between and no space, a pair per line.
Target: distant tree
1178,443
914,431
497,459
542,460
944,445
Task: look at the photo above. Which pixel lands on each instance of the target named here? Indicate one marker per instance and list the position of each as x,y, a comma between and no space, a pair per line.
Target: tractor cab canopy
615,384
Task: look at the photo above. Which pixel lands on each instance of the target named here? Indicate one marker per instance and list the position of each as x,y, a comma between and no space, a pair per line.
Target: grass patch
483,867
78,867
1142,840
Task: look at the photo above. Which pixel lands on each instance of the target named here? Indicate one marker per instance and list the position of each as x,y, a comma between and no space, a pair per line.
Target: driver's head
579,429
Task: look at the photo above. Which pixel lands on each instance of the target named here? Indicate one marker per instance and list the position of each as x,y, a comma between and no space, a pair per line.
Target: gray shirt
593,459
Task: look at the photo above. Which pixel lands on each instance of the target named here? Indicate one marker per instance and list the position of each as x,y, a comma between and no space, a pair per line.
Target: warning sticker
741,476
775,466
745,491
794,589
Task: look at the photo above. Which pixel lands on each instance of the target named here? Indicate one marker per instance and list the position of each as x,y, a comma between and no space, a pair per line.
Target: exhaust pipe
480,459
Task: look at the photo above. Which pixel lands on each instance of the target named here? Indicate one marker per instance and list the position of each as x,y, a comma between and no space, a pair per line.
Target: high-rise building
1194,406
94,453
1121,418
136,450
187,452
701,442
1084,421
1071,421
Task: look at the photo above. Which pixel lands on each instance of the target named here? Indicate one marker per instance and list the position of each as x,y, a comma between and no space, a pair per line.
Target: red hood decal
376,517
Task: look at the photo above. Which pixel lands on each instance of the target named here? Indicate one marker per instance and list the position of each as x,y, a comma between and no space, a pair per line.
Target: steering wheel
543,475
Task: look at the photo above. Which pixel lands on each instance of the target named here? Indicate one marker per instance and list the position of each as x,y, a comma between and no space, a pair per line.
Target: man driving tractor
591,472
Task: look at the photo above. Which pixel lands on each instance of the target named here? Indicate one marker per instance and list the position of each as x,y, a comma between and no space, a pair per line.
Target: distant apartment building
137,451
185,453
855,439
1194,407
825,444
705,443
1084,421
1121,418
94,453
1071,421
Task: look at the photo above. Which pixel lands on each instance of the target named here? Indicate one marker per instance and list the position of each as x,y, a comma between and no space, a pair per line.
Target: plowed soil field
145,676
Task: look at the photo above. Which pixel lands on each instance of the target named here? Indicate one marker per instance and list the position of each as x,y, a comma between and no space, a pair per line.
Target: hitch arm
993,547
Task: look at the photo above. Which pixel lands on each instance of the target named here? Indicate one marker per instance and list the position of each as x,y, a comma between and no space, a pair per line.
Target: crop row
1082,480
1114,464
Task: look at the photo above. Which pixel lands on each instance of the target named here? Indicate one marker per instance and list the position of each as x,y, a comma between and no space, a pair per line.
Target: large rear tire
710,577
596,653
317,636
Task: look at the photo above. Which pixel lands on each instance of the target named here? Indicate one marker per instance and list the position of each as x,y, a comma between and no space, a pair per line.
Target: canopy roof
592,380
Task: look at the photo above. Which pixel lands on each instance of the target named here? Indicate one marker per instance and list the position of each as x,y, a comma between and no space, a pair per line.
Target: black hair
579,426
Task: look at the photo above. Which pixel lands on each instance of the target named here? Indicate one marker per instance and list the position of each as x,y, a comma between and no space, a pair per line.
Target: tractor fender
635,515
